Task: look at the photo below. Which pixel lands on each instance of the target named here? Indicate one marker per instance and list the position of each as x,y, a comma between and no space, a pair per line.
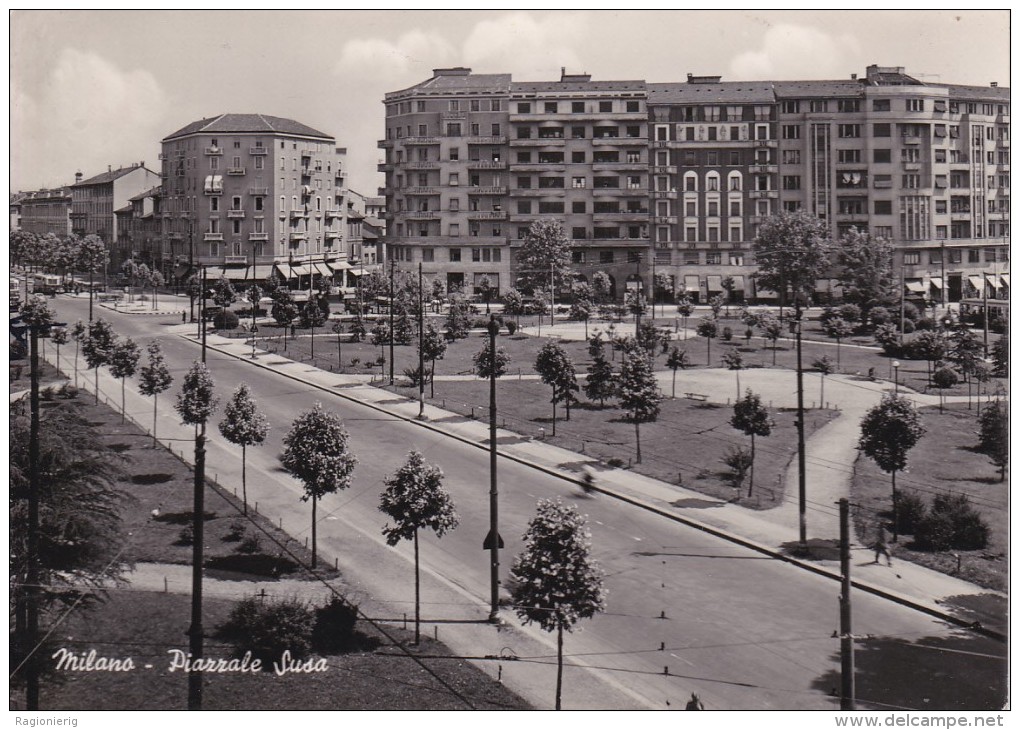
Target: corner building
674,178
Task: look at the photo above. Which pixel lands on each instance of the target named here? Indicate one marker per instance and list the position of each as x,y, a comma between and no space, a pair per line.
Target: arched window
735,181
691,182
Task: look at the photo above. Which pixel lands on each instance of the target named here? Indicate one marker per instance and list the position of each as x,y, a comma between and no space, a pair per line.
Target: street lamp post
494,539
896,376
191,261
801,456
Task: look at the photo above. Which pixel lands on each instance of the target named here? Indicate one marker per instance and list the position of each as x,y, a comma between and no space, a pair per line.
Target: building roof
126,209
62,193
976,93
557,86
730,92
451,81
150,193
111,175
818,89
247,123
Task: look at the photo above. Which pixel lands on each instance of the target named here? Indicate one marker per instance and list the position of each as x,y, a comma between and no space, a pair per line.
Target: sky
90,89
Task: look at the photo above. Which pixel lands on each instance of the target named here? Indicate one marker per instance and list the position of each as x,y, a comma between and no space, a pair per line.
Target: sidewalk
830,457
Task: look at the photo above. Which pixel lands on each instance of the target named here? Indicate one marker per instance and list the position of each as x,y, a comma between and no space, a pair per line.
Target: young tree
888,432
677,360
98,347
639,393
838,328
557,371
243,425
824,366
513,305
223,293
728,284
994,435
317,453
124,364
483,361
557,582
253,295
155,280
708,328
432,347
932,346
752,419
312,317
792,251
78,332
457,322
92,257
284,310
1000,357
866,269
485,289
601,287
943,378
59,336
580,311
358,328
734,361
130,271
415,500
153,379
601,383
772,330
403,330
438,291
716,304
544,256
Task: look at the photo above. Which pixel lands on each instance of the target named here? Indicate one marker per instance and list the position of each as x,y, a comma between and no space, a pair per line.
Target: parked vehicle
45,283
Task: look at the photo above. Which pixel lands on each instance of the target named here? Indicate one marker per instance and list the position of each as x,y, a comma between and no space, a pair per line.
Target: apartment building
140,233
94,200
247,194
674,178
47,211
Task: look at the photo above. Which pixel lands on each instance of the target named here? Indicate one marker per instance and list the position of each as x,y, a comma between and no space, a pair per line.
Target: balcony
384,144
212,236
911,140
420,165
235,260
421,215
664,170
477,140
487,215
453,116
335,235
410,141
760,194
912,166
486,165
613,166
298,236
334,213
208,151
538,142
763,169
298,213
664,219
258,191
487,190
384,167
664,194
258,151
421,190
235,170
258,236
621,141
235,214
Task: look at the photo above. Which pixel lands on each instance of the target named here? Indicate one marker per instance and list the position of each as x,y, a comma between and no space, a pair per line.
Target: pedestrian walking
694,703
881,547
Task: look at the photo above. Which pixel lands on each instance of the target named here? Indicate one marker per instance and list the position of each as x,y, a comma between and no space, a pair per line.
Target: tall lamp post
801,456
896,376
494,541
191,258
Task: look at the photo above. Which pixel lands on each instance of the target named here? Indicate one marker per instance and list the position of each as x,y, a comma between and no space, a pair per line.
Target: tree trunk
750,489
432,380
838,342
554,418
339,353
775,344
637,433
315,501
244,476
895,510
559,664
76,346
417,593
709,340
674,384
155,399
97,385
123,401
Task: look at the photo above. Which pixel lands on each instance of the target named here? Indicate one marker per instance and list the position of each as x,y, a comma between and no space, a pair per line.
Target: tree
432,347
485,288
677,360
196,402
92,257
888,432
130,270
685,308
403,331
728,283
457,323
544,256
557,371
994,435
866,269
78,332
153,379
752,419
155,280
601,287
312,317
358,328
243,425
837,328
943,378
557,582
709,329
601,383
513,305
438,289
734,361
415,500
1000,357
318,454
124,364
638,392
824,366
253,295
716,304
931,345
59,336
662,284
580,311
772,329
792,250
483,361
98,347
223,293
284,310
965,351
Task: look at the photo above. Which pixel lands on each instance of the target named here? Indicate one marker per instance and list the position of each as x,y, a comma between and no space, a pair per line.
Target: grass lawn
144,626
944,460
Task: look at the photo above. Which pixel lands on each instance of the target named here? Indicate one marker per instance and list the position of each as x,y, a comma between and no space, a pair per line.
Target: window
713,209
849,131
551,107
791,107
848,156
577,107
791,131
912,181
214,204
605,257
881,130
454,254
606,107
579,182
819,106
911,258
577,132
550,207
523,107
496,105
454,204
454,105
634,182
883,207
633,107
848,105
454,179
260,163
915,105
791,182
578,206
578,233
941,233
713,258
524,206
452,129
260,203
791,157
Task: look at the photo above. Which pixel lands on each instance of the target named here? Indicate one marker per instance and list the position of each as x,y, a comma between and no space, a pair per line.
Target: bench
696,396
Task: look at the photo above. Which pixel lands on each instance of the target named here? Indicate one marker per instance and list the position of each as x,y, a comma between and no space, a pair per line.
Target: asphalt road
686,611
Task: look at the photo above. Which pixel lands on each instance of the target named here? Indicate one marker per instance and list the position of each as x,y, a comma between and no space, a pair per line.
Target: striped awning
691,282
993,280
322,269
212,272
300,270
338,265
1005,278
236,273
915,285
936,281
977,282
260,272
738,283
714,283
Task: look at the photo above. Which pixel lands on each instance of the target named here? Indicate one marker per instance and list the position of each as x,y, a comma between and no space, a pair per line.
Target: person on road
881,547
694,703
587,481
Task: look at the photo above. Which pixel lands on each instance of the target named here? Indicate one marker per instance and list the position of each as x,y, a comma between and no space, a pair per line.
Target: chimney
995,84
109,168
78,177
689,77
853,77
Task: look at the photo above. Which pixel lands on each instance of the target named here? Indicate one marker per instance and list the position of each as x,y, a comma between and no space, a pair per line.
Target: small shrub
911,312
998,325
250,545
48,393
355,361
381,360
935,532
236,532
945,378
727,334
910,512
511,328
925,324
186,536
908,326
952,524
67,391
739,461
414,375
850,313
334,626
225,320
269,629
616,462
879,316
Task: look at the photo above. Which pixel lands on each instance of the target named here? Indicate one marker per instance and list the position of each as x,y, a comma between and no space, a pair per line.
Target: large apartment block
95,200
47,211
245,192
674,178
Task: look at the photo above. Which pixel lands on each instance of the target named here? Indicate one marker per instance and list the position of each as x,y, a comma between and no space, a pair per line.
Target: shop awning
977,282
915,285
338,265
936,281
236,273
212,273
993,280
322,269
1005,278
691,282
357,272
714,283
738,283
763,293
300,270
262,272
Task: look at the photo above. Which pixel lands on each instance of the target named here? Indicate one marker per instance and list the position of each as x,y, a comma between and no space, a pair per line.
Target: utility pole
32,574
903,311
494,539
847,698
801,456
195,631
984,301
392,262
637,297
203,324
191,264
945,284
552,294
421,339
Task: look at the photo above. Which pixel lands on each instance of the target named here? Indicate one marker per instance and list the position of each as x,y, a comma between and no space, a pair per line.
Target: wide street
686,611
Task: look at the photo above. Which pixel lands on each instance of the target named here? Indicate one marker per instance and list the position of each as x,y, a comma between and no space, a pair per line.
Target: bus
45,283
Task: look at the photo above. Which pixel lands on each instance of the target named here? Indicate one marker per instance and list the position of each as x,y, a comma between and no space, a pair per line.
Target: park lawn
685,446
944,460
145,625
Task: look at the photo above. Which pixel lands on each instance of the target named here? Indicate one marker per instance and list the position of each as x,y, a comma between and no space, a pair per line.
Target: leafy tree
994,435
98,347
92,256
415,500
432,347
677,360
824,366
483,361
544,253
729,284
403,330
752,419
716,304
311,315
223,293
357,328
284,310
792,250
486,289
601,383
317,453
888,337
557,371
557,582
253,295
21,244
931,346
838,328
438,289
380,332
965,350
153,379
59,336
155,280
943,378
741,462
888,432
601,287
124,364
580,311
595,344
685,308
78,332
648,337
338,330
772,329
866,269
639,393
1000,357
457,323
243,425
196,402
513,304
734,361
709,329
636,303
663,287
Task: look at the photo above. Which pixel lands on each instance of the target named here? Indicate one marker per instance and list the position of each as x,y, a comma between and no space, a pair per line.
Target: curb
893,596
